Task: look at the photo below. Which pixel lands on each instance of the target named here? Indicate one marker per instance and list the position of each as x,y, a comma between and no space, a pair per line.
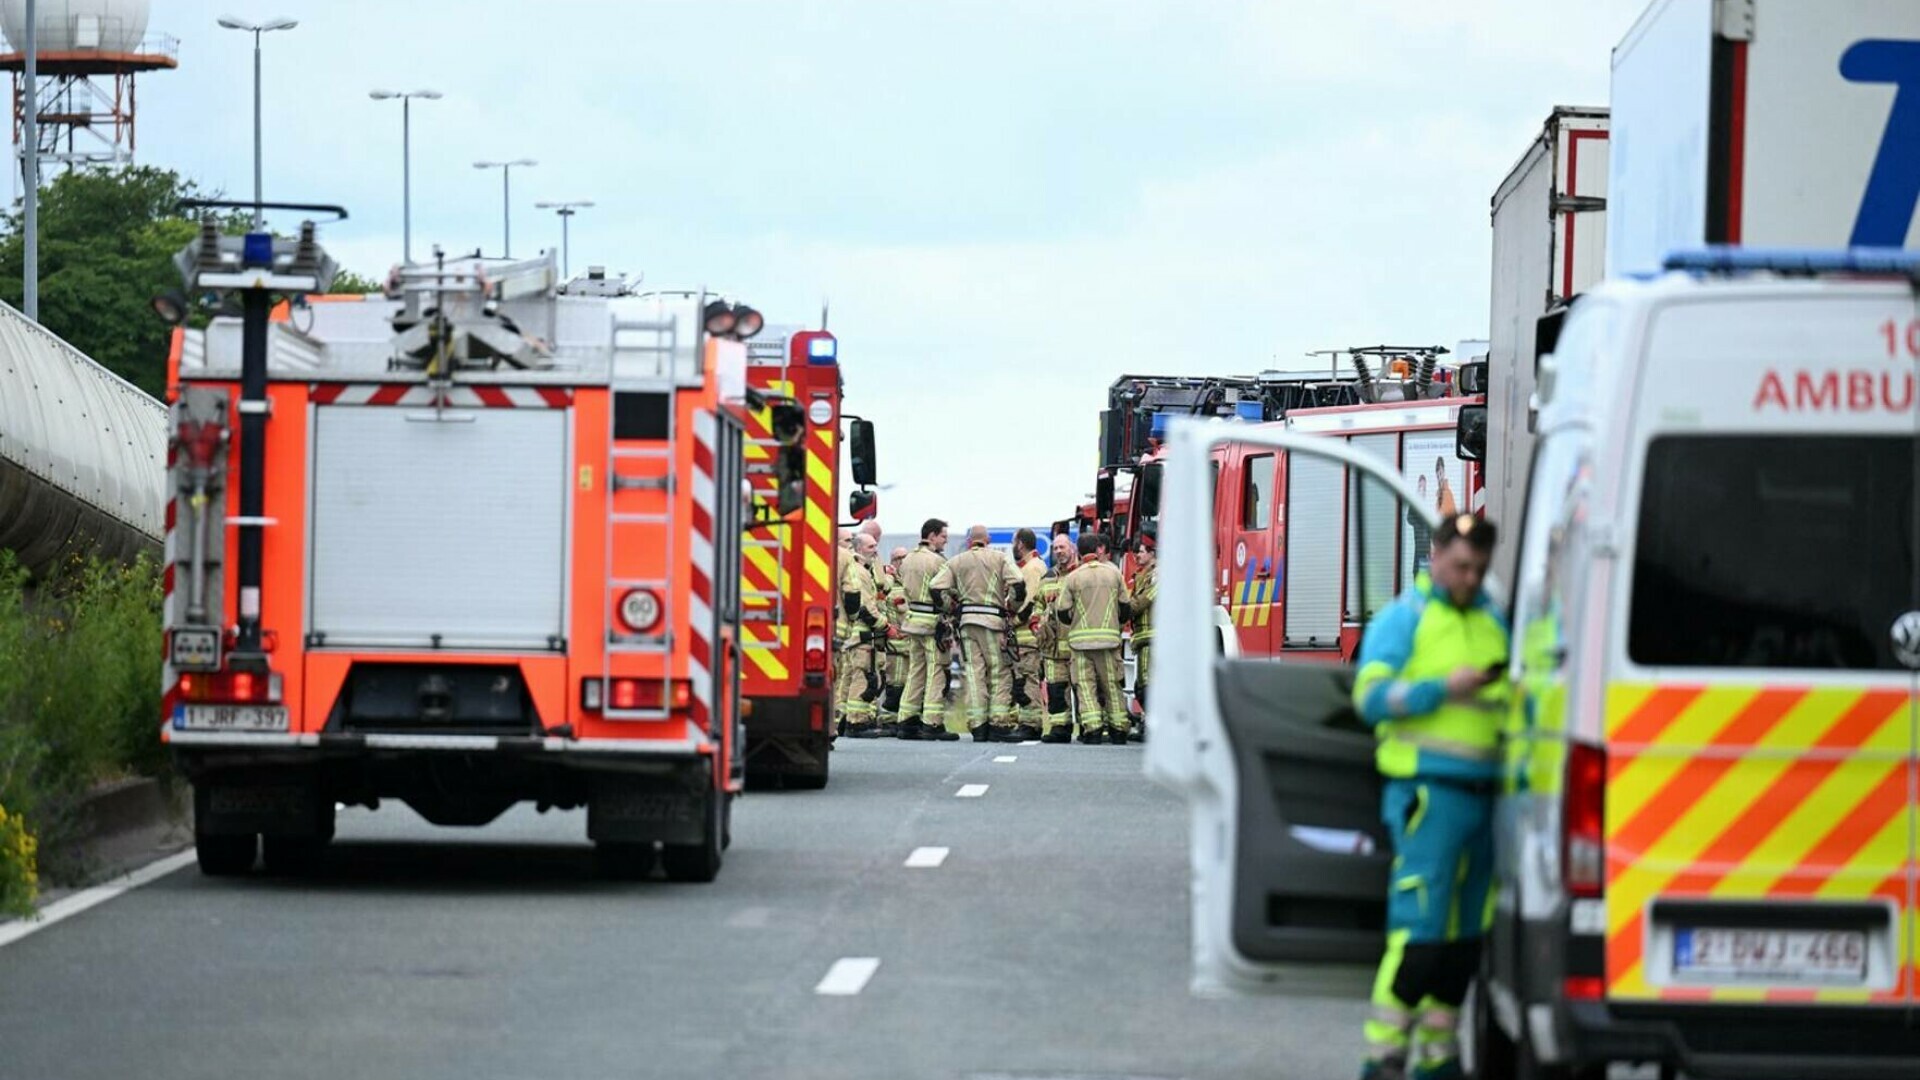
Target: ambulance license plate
1819,957
230,718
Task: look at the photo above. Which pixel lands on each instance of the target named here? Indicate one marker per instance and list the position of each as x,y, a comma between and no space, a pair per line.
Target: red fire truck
468,545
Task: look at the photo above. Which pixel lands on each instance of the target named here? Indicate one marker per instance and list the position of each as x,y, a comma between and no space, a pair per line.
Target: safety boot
1024,733
1092,736
1392,1068
1061,733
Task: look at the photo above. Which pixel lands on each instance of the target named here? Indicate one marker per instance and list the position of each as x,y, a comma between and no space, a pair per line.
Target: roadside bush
79,693
19,866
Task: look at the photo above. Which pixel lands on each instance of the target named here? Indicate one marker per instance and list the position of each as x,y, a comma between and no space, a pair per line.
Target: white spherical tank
78,25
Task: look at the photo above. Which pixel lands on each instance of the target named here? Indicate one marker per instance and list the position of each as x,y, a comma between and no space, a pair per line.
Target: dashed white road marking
971,791
753,918
69,906
927,858
1031,742
1006,759
848,976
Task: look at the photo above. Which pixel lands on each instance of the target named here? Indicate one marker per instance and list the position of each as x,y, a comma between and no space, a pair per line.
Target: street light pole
30,274
232,22
506,198
406,160
566,210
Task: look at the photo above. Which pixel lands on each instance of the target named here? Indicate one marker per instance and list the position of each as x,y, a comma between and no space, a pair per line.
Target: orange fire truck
470,544
1289,534
788,593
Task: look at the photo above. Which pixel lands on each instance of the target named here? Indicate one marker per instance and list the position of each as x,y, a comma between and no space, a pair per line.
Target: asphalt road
1050,942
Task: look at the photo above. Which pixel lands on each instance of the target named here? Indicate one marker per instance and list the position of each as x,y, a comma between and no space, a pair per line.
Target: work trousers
925,698
856,687
1029,693
1099,678
985,683
1057,671
1439,905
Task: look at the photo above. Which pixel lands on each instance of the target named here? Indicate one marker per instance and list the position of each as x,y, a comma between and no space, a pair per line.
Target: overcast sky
1007,204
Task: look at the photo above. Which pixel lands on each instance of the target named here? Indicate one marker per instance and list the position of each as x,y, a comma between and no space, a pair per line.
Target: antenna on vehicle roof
823,313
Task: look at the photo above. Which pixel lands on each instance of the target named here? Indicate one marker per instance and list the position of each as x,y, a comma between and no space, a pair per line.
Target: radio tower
90,53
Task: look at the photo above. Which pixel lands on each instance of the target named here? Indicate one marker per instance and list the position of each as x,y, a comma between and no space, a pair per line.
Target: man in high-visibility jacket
923,705
1093,603
1431,683
858,684
892,655
981,581
1146,586
1028,691
1055,658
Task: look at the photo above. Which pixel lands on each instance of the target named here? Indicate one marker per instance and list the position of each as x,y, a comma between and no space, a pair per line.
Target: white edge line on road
1031,742
848,976
927,858
971,791
1006,759
69,906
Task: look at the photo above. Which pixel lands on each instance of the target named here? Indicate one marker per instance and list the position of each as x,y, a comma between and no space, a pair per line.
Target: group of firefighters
1039,644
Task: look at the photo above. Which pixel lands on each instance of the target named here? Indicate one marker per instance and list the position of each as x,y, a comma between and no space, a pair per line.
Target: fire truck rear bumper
694,744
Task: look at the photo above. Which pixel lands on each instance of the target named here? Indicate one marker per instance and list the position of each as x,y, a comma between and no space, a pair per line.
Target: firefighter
1430,683
981,581
858,685
892,655
1029,693
1146,582
1092,604
923,703
1055,658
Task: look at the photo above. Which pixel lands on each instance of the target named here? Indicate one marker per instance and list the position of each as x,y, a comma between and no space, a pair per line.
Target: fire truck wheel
225,856
698,862
615,861
293,856
726,824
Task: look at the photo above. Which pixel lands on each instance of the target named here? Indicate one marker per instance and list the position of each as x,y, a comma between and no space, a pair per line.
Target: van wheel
225,856
698,862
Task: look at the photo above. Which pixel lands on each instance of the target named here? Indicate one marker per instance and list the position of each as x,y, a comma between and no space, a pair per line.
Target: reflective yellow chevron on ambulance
1768,793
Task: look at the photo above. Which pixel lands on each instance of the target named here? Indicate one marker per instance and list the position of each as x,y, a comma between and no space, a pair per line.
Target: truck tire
225,856
617,861
813,779
700,862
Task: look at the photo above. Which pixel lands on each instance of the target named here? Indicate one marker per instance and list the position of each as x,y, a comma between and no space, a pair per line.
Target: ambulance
1707,836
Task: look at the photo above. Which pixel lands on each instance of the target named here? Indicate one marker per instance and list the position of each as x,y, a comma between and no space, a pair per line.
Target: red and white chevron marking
700,610
170,553
465,396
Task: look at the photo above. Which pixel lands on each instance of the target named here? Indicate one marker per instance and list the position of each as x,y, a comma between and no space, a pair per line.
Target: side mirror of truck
1473,378
788,422
860,452
1149,493
863,505
1470,433
1103,497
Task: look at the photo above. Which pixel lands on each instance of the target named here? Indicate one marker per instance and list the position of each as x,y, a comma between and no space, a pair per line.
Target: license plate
1823,957
231,718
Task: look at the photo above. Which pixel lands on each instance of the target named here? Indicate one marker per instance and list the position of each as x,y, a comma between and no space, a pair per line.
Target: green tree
346,281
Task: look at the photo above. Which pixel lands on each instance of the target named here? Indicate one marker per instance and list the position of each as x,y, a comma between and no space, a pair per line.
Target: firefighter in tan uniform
858,685
1092,604
1029,693
923,703
1146,585
984,584
1055,658
892,652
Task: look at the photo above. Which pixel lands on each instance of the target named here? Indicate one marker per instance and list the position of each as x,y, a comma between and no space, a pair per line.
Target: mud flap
273,806
625,809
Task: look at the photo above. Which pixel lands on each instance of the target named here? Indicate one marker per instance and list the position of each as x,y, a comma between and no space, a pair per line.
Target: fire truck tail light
816,639
629,694
231,687
1584,821
640,610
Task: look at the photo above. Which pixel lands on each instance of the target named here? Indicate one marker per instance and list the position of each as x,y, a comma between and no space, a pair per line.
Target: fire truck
1290,533
787,589
473,543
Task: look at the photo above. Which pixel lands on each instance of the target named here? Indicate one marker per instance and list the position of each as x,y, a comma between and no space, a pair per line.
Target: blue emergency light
822,350
1731,259
257,250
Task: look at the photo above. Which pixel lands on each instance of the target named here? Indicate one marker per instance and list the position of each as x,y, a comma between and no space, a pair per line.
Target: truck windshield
1773,551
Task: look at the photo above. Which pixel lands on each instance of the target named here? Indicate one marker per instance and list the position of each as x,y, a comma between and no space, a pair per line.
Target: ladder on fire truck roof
768,605
664,449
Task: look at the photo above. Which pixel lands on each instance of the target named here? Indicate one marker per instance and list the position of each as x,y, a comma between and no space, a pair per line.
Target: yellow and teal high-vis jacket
1401,689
